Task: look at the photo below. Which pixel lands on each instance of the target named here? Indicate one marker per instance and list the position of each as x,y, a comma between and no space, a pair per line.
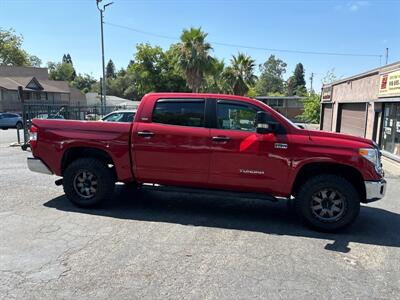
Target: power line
246,46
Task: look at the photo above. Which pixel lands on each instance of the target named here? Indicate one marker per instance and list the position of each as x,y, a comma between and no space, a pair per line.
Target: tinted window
236,116
183,113
129,117
10,116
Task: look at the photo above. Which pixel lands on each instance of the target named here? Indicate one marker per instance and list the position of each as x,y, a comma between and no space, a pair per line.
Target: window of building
275,102
179,112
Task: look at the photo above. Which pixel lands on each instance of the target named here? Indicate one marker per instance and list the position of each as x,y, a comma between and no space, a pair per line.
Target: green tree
110,69
193,57
311,112
296,84
271,78
67,59
61,71
215,81
240,74
83,82
11,52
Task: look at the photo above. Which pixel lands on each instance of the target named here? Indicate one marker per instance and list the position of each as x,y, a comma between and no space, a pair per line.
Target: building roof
378,70
94,99
46,85
17,71
293,98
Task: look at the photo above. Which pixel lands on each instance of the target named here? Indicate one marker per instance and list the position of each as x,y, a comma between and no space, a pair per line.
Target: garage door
327,115
352,119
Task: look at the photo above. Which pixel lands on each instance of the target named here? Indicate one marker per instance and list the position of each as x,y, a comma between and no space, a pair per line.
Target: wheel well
80,152
315,169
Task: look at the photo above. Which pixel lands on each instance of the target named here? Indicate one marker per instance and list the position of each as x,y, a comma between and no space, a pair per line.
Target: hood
340,136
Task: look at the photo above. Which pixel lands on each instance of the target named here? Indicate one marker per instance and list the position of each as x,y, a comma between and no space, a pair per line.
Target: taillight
33,135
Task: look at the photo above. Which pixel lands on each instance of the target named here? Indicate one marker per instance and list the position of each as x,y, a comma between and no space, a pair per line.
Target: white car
120,116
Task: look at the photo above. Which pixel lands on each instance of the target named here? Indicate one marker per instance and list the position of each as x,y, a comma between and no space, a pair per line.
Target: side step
218,193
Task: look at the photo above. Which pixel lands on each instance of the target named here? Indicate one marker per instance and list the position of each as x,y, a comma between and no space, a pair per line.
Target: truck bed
58,137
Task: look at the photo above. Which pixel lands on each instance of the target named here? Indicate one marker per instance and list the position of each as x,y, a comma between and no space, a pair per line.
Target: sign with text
326,94
389,84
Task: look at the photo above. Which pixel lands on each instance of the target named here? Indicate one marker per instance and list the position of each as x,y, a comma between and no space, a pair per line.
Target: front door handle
145,133
220,138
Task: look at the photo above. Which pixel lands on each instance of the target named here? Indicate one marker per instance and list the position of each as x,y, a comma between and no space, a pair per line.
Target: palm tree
240,74
215,81
193,56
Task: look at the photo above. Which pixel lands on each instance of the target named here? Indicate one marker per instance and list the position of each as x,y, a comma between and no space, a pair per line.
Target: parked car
10,120
210,141
120,116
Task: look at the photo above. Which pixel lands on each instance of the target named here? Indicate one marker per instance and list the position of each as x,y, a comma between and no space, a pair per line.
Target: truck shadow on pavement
374,226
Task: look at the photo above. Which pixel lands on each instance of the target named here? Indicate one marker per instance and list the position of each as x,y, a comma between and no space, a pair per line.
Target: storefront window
391,128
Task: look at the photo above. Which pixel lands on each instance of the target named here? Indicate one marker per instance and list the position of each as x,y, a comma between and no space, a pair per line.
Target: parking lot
149,244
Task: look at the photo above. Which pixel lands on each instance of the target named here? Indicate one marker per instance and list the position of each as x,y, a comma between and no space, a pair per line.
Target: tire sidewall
105,183
350,196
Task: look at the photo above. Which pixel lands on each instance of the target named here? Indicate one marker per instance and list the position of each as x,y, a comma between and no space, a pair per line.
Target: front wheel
328,203
88,182
19,126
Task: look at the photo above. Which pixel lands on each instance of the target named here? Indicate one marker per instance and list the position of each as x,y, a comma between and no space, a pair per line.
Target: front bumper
36,165
375,190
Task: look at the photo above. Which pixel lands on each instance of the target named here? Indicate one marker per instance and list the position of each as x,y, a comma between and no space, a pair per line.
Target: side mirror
263,123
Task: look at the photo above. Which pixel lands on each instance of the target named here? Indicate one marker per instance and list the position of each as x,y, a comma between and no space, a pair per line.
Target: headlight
372,155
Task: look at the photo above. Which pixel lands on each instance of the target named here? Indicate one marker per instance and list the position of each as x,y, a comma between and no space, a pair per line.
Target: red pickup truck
218,142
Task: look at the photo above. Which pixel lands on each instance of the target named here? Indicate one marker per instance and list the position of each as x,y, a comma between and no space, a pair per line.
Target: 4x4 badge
281,146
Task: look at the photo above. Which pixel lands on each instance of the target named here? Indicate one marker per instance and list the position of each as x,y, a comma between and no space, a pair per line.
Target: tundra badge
281,146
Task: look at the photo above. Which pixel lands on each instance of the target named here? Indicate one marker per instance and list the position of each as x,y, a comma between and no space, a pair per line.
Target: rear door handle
220,138
145,133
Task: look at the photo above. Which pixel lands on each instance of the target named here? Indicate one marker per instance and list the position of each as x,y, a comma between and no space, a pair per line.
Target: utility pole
103,81
387,56
311,81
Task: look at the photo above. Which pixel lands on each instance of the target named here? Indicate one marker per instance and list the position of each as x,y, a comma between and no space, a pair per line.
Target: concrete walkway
390,166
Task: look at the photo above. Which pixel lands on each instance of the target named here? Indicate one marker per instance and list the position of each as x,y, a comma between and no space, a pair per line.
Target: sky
363,29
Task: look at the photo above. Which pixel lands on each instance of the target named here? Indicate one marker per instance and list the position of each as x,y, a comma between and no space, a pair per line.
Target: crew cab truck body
211,141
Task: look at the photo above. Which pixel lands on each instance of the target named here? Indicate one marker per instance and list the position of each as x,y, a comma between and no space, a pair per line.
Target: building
37,88
94,99
289,106
366,105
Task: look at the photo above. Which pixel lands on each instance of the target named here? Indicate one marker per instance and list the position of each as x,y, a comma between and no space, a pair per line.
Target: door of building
391,128
353,119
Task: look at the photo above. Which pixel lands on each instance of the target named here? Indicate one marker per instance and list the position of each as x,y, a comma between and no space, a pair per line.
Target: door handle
145,133
220,138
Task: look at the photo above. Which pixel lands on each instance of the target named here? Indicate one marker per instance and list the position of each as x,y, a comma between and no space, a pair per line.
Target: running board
219,193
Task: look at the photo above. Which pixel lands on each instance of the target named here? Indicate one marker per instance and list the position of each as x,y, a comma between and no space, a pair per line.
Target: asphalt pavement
167,245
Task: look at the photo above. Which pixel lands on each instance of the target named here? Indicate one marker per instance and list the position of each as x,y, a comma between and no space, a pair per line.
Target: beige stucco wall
370,120
357,90
362,90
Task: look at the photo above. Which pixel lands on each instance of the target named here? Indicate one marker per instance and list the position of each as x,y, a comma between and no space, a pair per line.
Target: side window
116,117
236,116
179,112
129,117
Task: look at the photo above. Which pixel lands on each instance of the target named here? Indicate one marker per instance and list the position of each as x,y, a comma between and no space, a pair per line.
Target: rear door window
180,112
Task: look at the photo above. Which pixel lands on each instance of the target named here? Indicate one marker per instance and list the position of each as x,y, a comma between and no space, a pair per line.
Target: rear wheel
19,126
88,182
328,203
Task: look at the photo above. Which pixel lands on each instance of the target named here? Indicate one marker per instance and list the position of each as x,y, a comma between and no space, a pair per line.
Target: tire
19,126
327,203
88,182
